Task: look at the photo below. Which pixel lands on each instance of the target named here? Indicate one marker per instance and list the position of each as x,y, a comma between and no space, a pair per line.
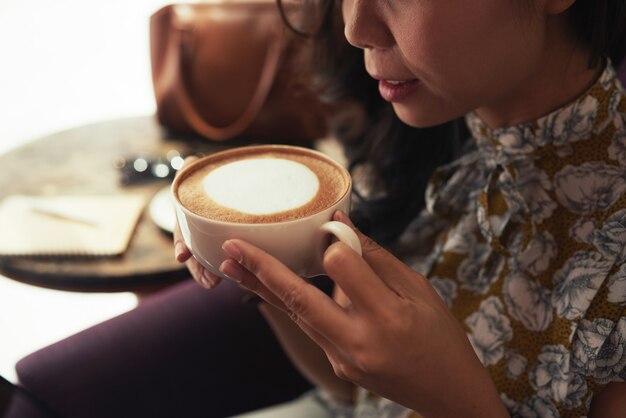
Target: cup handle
344,234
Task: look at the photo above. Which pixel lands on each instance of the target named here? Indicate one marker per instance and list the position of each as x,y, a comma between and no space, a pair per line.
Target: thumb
385,264
372,251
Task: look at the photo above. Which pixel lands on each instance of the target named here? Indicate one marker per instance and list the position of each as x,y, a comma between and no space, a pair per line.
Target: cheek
474,56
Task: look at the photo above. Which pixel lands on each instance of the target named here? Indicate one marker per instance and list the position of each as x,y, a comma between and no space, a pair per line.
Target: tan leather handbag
231,69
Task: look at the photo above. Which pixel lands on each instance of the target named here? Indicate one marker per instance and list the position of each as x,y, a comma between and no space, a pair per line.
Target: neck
561,76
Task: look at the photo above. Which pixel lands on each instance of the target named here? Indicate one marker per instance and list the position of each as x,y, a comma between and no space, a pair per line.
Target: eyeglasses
147,168
307,18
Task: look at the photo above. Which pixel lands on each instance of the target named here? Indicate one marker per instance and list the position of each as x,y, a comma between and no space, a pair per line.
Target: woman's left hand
395,337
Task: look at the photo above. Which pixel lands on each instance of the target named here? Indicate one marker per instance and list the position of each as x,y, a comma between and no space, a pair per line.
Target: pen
63,214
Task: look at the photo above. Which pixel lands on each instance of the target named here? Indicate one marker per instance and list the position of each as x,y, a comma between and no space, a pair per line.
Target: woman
509,299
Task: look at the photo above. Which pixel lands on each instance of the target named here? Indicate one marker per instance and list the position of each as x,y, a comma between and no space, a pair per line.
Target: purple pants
184,352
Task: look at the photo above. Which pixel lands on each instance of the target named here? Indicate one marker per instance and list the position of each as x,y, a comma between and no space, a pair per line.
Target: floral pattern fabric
529,228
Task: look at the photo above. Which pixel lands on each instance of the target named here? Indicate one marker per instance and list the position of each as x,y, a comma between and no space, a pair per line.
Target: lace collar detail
576,121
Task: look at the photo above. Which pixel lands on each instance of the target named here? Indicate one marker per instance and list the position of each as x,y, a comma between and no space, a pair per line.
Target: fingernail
232,251
342,217
179,249
203,282
231,270
208,278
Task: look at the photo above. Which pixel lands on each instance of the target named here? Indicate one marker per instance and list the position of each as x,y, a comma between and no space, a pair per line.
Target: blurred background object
66,63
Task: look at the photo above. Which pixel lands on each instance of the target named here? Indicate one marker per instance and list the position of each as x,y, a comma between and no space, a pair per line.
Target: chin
421,118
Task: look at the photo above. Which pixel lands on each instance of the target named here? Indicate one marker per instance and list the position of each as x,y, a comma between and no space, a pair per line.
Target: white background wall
65,63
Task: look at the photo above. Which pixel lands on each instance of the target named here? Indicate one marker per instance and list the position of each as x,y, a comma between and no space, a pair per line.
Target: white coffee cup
298,243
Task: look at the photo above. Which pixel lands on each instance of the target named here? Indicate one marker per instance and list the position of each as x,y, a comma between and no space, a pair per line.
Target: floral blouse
527,232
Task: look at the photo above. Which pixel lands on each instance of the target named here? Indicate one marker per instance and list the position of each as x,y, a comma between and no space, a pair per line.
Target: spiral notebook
68,225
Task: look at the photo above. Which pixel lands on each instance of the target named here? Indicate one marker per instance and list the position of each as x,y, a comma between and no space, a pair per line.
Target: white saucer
161,210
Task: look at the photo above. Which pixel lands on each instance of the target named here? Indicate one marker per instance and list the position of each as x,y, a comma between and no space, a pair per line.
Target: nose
364,26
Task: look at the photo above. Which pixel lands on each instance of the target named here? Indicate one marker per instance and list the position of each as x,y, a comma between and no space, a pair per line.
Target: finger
340,297
360,283
201,275
238,273
307,302
181,252
396,275
209,280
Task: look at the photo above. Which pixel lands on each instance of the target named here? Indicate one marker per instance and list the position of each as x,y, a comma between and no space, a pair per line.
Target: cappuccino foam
261,186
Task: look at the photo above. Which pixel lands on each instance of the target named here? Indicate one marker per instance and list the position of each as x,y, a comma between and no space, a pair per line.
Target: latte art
262,186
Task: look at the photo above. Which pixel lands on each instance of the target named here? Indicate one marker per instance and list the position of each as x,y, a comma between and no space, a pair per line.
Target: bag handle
175,64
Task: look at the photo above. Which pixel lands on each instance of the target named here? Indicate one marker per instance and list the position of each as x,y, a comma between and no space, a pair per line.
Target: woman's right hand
182,254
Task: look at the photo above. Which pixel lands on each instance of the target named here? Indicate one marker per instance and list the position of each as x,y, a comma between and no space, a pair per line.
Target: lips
397,90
